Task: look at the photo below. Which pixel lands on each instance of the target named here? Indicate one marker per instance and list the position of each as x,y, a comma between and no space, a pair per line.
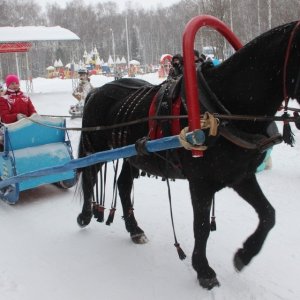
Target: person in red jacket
14,105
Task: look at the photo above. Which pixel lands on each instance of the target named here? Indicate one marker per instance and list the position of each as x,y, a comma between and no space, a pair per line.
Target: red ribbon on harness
155,130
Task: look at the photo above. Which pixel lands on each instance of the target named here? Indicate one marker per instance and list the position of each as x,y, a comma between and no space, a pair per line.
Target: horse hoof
209,283
83,220
238,261
139,238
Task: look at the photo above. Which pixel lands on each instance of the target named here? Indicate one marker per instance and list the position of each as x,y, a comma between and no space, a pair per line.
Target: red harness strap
155,130
176,112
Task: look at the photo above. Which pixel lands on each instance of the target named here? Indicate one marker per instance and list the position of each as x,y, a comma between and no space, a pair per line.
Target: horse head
292,64
256,79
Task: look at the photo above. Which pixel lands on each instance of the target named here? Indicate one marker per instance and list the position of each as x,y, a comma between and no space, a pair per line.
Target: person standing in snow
177,66
80,93
199,59
14,105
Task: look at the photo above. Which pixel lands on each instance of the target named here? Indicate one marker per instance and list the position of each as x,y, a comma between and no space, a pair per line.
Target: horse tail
87,175
86,181
85,146
85,187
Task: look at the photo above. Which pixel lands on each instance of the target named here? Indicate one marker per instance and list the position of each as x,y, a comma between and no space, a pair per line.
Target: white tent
95,51
123,60
88,59
110,61
72,66
58,64
118,61
134,62
98,61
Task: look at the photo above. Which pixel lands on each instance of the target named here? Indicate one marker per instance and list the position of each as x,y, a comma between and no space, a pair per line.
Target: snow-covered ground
44,255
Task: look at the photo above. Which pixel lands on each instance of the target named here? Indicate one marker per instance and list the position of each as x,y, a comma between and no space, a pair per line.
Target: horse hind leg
88,180
249,189
125,183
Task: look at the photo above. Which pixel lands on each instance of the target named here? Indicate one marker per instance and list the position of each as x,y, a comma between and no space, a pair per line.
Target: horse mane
263,45
244,83
131,83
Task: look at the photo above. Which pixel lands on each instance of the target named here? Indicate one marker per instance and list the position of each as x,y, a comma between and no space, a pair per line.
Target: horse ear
287,135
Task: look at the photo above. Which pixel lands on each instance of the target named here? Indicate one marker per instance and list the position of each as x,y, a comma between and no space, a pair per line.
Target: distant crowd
177,63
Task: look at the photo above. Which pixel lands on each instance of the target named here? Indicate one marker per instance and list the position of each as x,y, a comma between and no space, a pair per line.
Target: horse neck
251,81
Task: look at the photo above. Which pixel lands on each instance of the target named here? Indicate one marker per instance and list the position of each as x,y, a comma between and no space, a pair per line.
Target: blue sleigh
33,144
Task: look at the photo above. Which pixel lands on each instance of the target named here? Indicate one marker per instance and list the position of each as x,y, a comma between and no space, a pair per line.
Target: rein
295,119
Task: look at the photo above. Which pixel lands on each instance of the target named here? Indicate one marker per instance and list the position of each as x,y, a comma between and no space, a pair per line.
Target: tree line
150,33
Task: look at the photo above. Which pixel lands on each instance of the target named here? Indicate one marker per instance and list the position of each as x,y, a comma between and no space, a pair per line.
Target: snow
45,255
36,33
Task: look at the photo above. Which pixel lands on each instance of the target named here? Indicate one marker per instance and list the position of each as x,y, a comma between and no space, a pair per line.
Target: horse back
117,103
101,103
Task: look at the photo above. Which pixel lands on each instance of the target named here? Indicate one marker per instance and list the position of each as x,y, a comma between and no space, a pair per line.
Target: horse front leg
202,199
88,180
125,183
249,189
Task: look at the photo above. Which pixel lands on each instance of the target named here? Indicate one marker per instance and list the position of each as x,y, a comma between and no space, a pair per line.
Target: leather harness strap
261,143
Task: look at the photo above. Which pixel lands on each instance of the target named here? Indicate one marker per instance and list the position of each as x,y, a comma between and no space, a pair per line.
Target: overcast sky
121,3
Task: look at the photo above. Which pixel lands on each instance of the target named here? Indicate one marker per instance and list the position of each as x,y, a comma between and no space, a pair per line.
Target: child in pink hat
14,105
10,79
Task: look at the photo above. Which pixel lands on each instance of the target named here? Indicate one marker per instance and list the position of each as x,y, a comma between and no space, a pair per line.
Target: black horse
253,81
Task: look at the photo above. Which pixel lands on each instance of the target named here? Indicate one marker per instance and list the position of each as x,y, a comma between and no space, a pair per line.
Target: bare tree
153,32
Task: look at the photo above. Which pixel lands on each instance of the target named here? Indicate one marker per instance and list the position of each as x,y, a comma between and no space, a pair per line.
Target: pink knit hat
10,79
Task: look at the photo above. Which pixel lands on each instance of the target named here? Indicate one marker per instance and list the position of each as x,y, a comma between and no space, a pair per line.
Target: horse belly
223,164
159,165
